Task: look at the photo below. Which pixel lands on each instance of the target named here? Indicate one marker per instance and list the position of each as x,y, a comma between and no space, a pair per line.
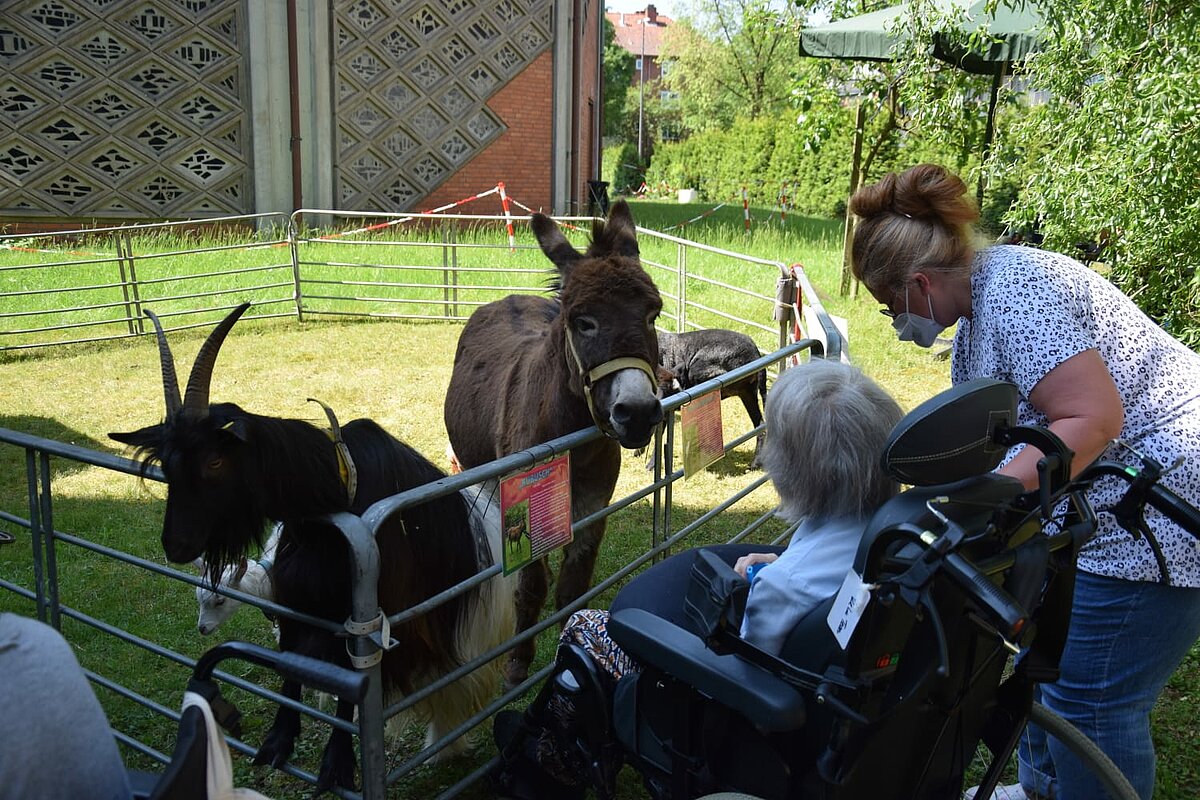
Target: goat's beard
232,545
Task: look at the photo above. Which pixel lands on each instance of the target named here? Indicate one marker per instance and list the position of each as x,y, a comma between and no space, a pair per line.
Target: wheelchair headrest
951,436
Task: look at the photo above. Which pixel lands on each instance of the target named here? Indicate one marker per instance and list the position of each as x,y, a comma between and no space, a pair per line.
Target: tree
1115,153
735,58
1112,156
619,66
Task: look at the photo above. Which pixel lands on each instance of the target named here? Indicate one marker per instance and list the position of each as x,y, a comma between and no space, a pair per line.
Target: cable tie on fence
379,630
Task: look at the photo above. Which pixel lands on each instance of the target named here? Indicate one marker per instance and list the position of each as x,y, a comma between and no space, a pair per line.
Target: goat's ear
146,437
236,427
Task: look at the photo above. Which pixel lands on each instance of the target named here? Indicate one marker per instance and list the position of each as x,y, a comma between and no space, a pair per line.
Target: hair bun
930,191
926,192
874,199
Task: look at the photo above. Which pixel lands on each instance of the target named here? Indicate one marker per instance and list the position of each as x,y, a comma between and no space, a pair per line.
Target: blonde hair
919,220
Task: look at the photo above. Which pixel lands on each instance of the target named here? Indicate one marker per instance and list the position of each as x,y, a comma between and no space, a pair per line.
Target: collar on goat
593,375
345,463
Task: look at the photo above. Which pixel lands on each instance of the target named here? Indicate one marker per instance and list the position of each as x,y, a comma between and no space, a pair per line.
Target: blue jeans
1126,639
55,740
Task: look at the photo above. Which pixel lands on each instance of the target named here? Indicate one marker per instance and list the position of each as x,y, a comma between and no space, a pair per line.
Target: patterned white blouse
1034,309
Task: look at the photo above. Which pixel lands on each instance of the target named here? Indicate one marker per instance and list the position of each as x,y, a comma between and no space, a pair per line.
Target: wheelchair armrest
763,698
323,676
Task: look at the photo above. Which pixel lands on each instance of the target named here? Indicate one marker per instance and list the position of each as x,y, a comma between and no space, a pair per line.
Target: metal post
48,540
668,459
294,249
445,228
681,271
35,533
364,565
133,314
642,95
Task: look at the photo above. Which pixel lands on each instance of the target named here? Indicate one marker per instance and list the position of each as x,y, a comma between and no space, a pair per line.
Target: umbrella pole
989,130
860,116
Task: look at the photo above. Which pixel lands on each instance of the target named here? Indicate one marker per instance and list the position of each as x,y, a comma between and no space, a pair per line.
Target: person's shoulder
1003,267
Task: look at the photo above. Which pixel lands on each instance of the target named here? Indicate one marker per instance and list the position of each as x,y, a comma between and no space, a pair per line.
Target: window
637,64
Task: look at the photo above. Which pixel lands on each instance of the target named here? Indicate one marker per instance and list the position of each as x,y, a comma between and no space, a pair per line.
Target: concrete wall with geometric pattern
152,109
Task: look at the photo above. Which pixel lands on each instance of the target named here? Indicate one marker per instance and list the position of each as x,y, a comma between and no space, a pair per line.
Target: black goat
229,471
694,357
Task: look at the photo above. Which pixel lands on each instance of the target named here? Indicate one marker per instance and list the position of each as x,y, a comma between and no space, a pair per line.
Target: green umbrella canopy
872,37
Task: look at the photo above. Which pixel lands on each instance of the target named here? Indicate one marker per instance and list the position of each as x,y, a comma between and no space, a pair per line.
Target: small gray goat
693,357
251,576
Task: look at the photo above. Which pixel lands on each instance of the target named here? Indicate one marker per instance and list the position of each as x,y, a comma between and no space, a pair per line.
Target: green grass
397,373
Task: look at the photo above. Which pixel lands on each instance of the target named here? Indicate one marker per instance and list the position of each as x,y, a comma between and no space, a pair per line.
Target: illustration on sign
535,506
703,437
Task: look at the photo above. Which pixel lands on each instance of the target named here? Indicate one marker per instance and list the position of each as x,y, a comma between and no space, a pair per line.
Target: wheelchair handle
1180,511
998,605
1174,507
316,674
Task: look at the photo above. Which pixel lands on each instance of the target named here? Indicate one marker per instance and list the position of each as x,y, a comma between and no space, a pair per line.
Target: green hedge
765,156
771,155
620,167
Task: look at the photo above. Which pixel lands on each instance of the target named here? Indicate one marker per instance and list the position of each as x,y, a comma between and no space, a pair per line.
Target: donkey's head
608,308
212,508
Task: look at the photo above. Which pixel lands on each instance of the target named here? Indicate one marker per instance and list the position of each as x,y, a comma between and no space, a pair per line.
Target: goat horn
196,398
170,379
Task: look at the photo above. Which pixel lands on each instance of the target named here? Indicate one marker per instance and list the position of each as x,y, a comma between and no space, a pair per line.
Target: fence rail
72,287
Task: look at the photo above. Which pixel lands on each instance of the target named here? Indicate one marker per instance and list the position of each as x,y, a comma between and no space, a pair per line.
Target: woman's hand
746,561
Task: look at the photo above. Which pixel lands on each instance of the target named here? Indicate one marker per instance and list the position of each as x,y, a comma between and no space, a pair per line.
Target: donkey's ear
554,244
146,437
622,230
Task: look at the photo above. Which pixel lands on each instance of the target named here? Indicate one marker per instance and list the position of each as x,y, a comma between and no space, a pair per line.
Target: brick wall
521,157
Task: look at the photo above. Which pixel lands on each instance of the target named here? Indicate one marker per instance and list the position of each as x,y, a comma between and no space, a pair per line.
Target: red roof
630,26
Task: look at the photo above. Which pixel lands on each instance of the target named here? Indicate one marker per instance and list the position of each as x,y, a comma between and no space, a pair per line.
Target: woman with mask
1093,368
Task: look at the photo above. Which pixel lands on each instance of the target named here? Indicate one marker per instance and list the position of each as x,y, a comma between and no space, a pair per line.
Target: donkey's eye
586,326
216,464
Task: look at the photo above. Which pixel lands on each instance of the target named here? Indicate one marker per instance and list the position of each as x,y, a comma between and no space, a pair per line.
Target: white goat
251,577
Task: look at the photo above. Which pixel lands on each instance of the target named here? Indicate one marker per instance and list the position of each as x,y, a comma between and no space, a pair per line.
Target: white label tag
848,607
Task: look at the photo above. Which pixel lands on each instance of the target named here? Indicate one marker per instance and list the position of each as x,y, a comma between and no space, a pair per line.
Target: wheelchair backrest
973,503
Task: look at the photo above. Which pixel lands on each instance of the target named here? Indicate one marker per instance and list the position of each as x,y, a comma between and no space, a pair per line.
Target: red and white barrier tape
512,241
402,220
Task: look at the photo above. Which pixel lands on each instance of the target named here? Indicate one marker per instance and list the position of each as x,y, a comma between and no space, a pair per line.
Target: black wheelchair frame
184,777
964,573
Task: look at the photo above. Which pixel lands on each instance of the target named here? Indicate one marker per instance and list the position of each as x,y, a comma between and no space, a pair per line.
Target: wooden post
989,130
860,116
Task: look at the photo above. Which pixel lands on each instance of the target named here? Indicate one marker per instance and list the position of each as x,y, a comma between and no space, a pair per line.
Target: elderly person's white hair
826,426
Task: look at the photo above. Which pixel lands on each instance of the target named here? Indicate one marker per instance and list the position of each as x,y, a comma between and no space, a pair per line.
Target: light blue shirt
808,572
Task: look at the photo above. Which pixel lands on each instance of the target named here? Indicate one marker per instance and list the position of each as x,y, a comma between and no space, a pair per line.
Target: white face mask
922,331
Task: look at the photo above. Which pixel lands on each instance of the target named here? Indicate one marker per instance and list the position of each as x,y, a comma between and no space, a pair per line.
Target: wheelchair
953,578
199,767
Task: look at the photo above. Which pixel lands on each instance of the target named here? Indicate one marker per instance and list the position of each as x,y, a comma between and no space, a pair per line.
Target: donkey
229,471
529,369
694,357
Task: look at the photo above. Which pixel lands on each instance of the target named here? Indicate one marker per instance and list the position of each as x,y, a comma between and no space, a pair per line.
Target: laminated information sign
535,506
703,437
